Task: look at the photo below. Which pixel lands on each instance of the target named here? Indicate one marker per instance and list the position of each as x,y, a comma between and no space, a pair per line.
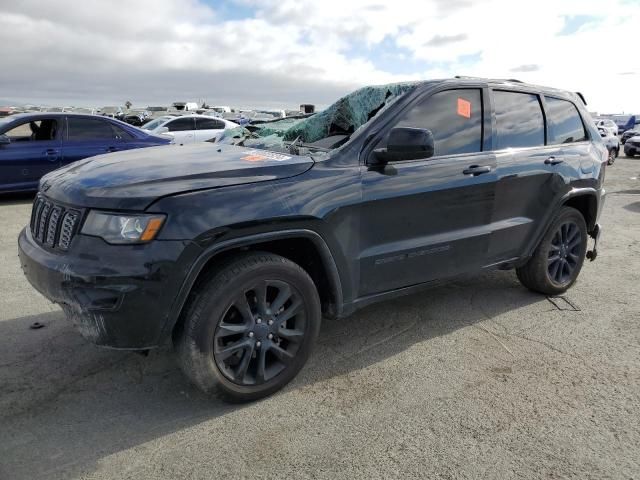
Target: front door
430,218
35,150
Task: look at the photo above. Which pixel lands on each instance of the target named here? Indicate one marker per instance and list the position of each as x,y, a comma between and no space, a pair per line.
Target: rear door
35,150
527,161
182,129
430,218
87,137
567,131
208,128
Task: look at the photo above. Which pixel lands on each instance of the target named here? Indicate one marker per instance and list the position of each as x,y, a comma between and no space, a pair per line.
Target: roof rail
581,97
514,80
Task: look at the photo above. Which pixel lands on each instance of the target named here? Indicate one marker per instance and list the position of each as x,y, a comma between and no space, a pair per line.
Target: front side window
519,120
565,124
86,129
38,130
180,125
453,116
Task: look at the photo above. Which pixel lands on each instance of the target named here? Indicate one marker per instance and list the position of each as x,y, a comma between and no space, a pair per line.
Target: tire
228,334
558,259
612,157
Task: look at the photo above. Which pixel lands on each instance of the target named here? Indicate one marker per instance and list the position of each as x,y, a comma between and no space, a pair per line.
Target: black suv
236,249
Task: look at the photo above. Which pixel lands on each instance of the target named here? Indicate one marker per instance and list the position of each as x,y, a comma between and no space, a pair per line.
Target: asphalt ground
479,378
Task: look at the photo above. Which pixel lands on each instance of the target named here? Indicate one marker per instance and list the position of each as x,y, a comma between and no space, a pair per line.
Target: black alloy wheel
249,326
564,253
260,333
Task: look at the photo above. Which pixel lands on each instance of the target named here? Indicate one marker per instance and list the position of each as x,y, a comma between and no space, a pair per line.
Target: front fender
216,249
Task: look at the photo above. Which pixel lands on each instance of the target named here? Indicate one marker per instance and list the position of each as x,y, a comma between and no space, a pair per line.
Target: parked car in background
632,146
628,134
6,111
33,144
185,106
189,128
113,112
612,142
137,118
608,124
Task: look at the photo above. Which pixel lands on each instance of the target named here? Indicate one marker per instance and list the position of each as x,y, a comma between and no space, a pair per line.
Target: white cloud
153,50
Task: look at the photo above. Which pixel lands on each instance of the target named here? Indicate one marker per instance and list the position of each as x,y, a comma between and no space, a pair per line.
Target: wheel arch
304,247
586,202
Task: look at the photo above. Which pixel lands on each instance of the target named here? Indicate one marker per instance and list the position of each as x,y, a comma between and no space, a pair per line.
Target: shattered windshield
322,131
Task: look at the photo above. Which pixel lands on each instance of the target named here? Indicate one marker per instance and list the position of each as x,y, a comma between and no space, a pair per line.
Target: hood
133,179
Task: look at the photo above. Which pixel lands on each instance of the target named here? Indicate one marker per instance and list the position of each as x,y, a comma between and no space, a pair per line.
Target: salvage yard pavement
478,378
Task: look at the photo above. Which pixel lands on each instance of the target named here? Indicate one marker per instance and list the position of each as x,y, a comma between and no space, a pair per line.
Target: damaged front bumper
117,296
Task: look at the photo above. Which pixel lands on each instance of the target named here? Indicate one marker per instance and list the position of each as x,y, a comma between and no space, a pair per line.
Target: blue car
33,144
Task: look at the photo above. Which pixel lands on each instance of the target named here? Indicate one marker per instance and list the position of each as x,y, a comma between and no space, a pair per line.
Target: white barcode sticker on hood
255,155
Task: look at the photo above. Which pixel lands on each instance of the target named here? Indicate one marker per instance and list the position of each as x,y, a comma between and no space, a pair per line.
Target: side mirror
4,140
603,133
405,143
163,130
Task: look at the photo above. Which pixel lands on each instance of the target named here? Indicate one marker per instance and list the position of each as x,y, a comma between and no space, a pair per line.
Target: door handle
553,161
51,153
477,170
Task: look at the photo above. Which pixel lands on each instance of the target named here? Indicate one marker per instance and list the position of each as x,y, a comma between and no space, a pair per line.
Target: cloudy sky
272,53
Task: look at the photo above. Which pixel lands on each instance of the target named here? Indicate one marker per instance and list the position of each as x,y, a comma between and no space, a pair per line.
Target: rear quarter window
565,123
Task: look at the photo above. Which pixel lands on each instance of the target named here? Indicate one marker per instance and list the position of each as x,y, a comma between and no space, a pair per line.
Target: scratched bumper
117,296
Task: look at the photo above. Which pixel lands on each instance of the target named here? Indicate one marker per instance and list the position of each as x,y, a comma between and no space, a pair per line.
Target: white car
608,125
189,128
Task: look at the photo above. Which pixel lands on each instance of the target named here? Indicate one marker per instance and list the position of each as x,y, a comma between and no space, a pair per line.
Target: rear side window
565,124
209,124
453,116
83,129
181,124
519,120
121,133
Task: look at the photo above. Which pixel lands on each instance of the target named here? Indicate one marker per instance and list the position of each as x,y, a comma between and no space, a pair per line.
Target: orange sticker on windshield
464,108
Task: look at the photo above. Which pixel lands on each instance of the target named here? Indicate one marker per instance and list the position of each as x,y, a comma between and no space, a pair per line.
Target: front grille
53,225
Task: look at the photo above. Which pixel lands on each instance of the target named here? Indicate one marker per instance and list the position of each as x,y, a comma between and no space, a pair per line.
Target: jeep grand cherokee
236,249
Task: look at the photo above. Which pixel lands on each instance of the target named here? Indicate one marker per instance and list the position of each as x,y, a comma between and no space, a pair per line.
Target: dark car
236,251
632,146
34,144
628,134
137,118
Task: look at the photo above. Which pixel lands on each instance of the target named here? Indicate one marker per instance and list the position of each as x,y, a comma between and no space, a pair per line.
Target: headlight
116,228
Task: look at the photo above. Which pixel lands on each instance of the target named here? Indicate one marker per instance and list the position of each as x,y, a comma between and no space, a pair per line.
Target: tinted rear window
181,125
81,129
209,124
519,120
565,124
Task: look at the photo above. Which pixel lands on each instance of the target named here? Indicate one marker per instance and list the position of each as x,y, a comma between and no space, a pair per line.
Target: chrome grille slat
67,229
42,224
53,225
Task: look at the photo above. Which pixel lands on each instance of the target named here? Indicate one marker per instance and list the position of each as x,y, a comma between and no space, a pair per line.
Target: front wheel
612,157
249,327
556,262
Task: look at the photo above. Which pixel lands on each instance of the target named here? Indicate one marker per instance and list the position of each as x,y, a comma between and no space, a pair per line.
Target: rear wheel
250,327
558,259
